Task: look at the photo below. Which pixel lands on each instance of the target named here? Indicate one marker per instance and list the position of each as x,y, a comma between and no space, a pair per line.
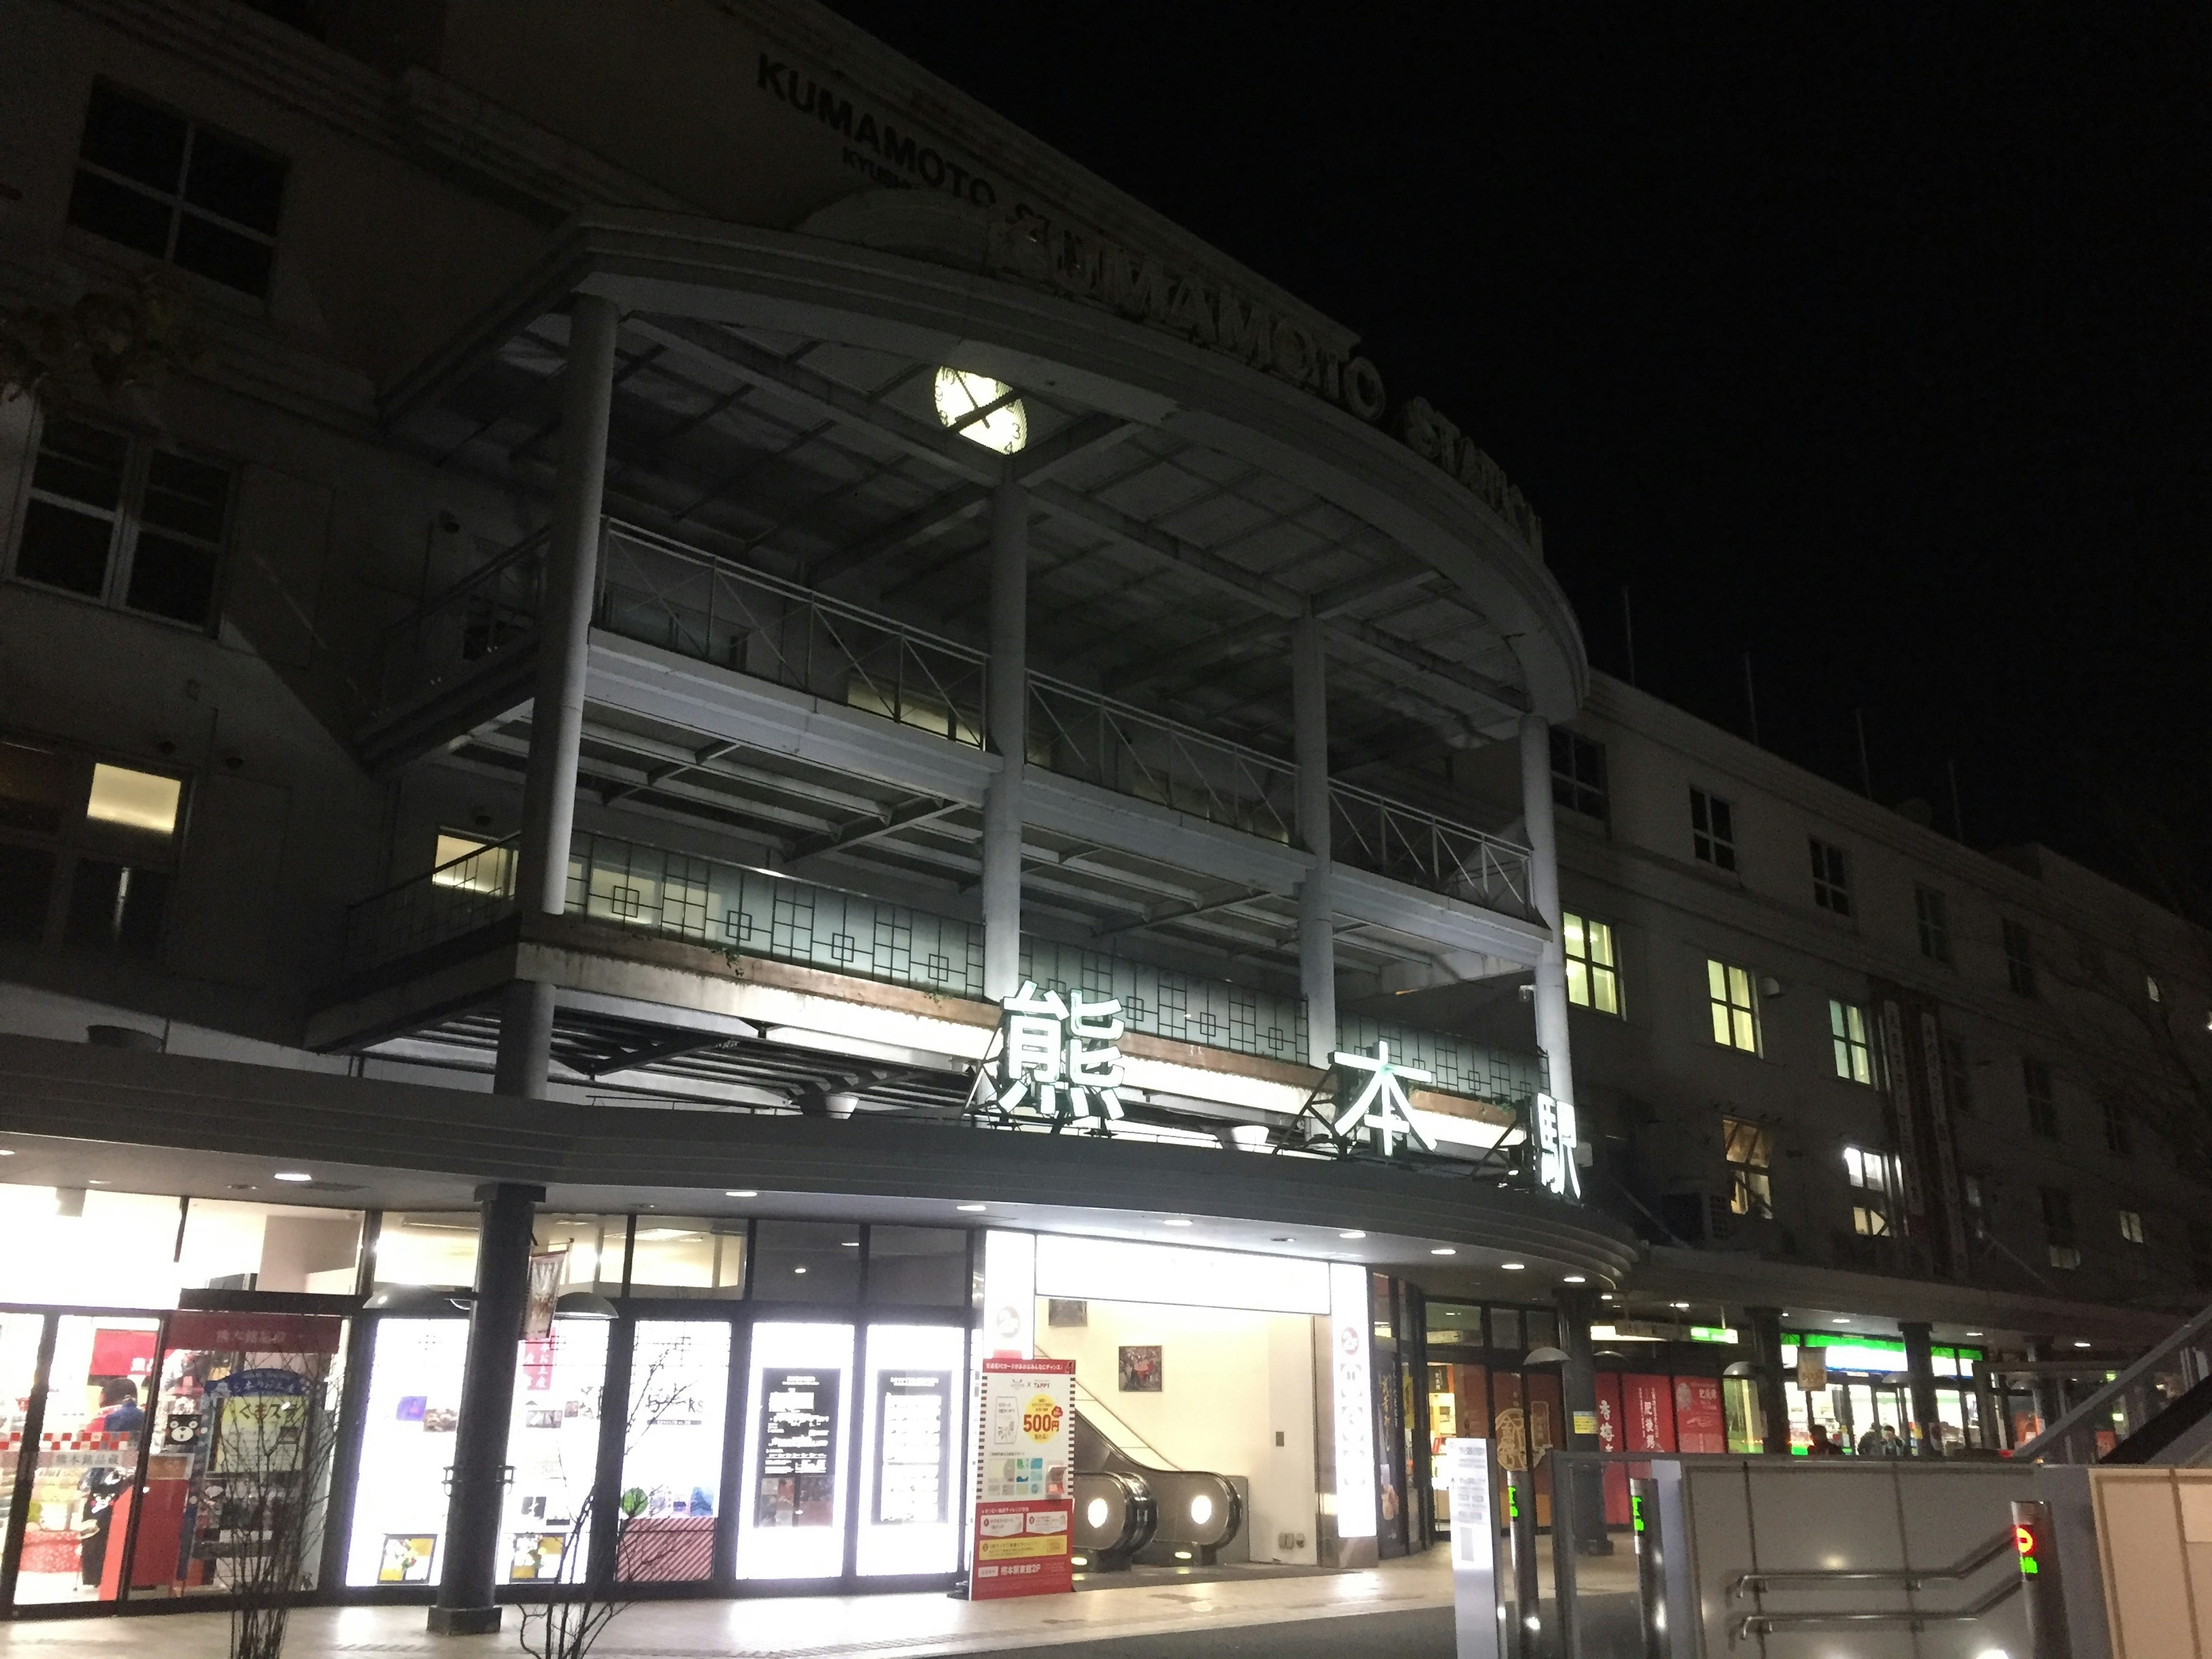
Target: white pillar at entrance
556,718
1316,913
1008,717
1544,891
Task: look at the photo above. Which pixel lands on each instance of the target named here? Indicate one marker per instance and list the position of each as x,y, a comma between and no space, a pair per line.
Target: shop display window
406,1451
672,1478
93,1248
912,1395
553,1450
806,1262
918,1267
593,1248
790,1513
415,1247
238,1477
230,1245
87,1457
688,1256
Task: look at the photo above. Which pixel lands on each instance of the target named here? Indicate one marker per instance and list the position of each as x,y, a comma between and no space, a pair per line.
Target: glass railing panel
1183,1008
1459,1064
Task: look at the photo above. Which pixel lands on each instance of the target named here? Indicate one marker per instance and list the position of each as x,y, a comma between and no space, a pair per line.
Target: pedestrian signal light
2023,1541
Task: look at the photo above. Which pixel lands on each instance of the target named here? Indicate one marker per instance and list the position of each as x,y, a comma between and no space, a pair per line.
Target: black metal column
1527,1589
465,1605
1585,1504
2041,1587
1766,1325
1920,1374
1650,1568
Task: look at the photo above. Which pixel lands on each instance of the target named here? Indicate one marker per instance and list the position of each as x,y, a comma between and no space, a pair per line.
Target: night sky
1869,341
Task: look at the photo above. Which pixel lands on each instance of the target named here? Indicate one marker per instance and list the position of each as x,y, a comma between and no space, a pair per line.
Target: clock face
962,397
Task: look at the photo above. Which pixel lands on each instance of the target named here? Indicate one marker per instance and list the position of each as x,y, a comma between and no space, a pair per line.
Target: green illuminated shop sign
1712,1333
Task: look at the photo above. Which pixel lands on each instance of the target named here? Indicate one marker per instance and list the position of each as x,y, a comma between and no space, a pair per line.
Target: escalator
1130,1512
2157,1412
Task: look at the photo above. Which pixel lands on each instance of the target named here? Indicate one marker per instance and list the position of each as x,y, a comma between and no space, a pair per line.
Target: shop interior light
295,1176
1202,1511
419,1301
582,1304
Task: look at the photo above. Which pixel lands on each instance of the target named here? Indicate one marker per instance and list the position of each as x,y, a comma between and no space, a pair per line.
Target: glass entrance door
87,1458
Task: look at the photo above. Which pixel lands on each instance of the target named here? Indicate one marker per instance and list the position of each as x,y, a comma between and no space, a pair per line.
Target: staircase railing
2073,1438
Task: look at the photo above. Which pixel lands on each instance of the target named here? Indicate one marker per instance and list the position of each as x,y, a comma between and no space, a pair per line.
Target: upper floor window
179,190
2120,1133
2151,990
2019,958
1847,1029
1931,911
1958,1075
1832,877
1975,1190
1712,830
1749,1149
2042,1102
115,519
1578,774
2065,1250
1735,1006
87,849
1593,970
1872,1185
2132,1227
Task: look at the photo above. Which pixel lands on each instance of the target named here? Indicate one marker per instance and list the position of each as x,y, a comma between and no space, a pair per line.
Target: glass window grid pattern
67,879
1832,877
1734,1002
1181,1008
1931,916
2019,958
126,525
1593,967
1579,779
179,190
1848,1034
1712,831
1459,1064
1872,1183
2042,1099
2131,1226
1748,1148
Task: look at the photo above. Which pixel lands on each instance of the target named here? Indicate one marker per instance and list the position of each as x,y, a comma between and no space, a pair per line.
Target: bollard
2040,1586
1528,1592
1650,1568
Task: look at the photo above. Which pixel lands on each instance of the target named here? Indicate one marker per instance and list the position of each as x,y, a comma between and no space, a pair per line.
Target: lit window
1593,972
1932,911
1832,881
2132,1227
1578,774
1712,830
982,410
2019,958
88,850
1735,1013
2042,1102
134,800
473,865
1847,1029
2151,990
1871,1181
1749,1149
182,191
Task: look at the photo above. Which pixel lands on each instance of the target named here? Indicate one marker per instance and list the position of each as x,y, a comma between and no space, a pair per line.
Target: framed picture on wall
1140,1370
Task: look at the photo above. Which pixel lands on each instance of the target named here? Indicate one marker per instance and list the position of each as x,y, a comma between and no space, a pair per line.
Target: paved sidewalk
819,1627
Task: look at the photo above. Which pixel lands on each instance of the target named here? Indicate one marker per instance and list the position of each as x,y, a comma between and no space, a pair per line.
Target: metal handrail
1765,1624
1751,1583
475,579
1217,778
2088,1413
1452,846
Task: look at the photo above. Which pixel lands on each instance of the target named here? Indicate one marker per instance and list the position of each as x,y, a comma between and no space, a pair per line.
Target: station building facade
677,692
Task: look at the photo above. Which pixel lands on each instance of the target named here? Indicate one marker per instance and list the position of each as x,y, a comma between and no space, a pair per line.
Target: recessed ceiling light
1443,1250
93,1180
1974,1332
1841,1319
1574,1279
1605,1296
1352,1233
2080,1345
1682,1305
850,1243
295,1176
741,1192
1175,1221
970,1209
1512,1267
799,1270
6,1151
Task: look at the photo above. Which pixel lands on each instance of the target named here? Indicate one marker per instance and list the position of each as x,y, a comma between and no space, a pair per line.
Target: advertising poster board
1474,1550
913,1447
1700,1421
795,1480
1024,1492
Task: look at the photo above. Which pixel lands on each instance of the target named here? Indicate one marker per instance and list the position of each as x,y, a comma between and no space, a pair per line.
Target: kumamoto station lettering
894,158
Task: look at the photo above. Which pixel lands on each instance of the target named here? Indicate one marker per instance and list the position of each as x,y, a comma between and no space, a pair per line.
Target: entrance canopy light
982,410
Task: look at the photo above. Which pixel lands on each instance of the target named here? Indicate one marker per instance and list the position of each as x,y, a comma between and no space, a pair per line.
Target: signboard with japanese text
1060,1058
795,1480
1024,1513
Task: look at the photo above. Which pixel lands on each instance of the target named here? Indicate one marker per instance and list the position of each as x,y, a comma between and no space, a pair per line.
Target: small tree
107,345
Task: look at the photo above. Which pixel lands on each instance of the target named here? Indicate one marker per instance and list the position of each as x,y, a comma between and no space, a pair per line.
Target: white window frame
1582,939
1708,842
1851,1034
1732,1004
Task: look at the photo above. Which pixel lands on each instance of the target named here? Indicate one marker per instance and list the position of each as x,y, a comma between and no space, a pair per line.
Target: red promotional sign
1701,1420
1647,1406
1025,1517
255,1333
122,1353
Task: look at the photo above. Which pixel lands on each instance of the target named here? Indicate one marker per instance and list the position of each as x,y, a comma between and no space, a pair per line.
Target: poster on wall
914,1451
1025,1493
795,1480
1141,1369
1701,1420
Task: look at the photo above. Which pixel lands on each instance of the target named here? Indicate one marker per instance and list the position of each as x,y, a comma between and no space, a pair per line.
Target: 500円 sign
1060,1058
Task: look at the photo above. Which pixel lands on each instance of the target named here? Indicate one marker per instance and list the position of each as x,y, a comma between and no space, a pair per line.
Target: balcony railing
748,912
1081,734
486,614
1423,850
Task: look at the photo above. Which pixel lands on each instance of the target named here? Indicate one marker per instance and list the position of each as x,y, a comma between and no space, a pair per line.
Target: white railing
1420,847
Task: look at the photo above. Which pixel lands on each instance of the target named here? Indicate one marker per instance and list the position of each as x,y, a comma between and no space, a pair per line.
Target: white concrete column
1316,913
557,717
1008,717
1544,891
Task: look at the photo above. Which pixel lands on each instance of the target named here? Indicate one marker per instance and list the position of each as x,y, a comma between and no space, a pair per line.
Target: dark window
177,190
927,1265
2058,1228
2042,1103
806,1260
1831,879
1578,774
2019,958
1932,911
1712,830
123,523
1958,1075
1976,1191
2120,1134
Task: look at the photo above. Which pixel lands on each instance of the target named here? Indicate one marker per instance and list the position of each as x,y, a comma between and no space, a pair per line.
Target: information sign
1025,1493
912,1447
795,1484
1474,1550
